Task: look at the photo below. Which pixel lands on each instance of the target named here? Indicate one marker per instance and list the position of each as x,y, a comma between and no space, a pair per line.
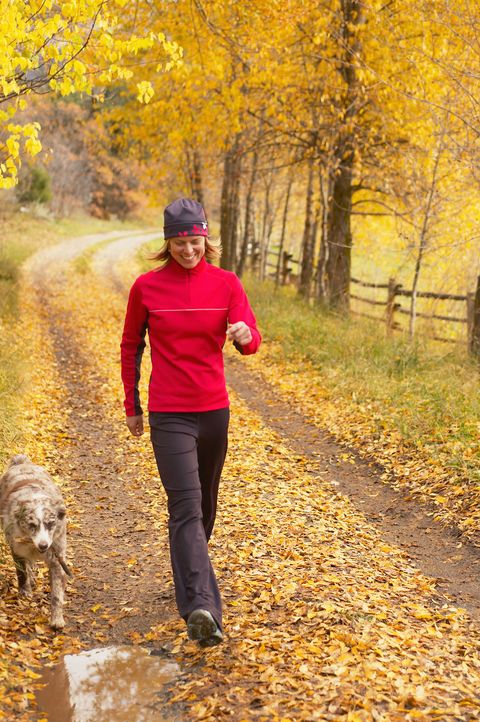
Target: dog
33,519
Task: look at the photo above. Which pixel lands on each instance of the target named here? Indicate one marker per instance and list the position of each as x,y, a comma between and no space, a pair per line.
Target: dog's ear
19,459
20,513
61,511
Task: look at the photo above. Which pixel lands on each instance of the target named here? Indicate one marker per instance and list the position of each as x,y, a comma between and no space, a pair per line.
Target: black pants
190,451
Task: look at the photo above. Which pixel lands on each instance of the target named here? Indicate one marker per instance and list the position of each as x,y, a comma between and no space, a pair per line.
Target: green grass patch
82,264
143,262
429,393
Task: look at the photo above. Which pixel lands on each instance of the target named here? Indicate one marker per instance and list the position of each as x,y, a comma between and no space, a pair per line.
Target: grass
142,261
429,393
82,264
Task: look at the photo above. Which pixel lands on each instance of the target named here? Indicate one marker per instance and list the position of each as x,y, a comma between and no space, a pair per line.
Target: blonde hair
213,250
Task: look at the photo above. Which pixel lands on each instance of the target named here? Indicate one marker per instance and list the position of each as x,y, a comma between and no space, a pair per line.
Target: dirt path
324,620
49,264
113,256
116,528
436,550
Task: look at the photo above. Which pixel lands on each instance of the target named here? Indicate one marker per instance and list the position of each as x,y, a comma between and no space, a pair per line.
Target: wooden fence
391,304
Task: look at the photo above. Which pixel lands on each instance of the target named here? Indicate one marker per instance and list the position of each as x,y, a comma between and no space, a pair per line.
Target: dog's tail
19,459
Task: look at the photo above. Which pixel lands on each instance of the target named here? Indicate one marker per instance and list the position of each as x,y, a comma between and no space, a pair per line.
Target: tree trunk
340,236
340,206
473,315
188,169
308,249
283,232
266,228
321,290
229,208
268,238
197,185
248,228
423,238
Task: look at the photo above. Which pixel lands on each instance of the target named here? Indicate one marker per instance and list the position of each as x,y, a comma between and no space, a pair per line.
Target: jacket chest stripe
181,310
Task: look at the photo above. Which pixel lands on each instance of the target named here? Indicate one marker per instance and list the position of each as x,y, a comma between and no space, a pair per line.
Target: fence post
470,309
391,305
473,316
286,258
255,260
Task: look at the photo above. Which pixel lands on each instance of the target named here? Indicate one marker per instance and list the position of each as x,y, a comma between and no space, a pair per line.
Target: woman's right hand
135,425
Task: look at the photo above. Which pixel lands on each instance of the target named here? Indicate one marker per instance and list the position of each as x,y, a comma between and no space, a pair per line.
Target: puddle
112,684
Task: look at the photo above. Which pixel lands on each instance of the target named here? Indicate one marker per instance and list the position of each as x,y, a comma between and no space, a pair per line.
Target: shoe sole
212,641
201,627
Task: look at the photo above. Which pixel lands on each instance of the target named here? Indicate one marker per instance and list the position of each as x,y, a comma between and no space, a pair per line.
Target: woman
189,308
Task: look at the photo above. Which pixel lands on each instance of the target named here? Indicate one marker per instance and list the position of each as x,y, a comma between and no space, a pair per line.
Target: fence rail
431,294
283,273
366,284
367,300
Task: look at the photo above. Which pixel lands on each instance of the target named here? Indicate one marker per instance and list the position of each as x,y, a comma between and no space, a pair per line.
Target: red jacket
186,312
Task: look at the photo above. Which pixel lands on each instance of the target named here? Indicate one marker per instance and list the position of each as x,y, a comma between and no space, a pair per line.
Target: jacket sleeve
240,310
132,347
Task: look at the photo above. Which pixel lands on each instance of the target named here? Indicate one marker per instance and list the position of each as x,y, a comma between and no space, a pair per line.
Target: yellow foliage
67,52
145,92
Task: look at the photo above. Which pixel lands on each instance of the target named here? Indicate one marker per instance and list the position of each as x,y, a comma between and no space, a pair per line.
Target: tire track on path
122,572
109,257
119,561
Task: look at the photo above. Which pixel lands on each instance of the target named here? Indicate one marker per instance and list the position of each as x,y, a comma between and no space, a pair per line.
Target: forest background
343,132
314,127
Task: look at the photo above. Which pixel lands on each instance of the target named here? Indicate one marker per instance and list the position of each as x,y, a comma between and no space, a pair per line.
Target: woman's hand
239,332
135,425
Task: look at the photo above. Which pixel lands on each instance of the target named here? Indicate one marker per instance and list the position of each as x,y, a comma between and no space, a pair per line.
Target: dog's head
39,521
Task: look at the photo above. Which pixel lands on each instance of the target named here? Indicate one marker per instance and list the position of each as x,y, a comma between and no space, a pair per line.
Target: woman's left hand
239,332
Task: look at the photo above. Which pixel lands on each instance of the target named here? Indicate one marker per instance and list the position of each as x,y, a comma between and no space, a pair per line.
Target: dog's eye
32,527
49,525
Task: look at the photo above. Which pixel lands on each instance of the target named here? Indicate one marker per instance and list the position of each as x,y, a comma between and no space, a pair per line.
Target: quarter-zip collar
179,270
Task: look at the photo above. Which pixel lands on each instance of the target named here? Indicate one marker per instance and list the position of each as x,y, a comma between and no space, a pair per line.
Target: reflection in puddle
113,684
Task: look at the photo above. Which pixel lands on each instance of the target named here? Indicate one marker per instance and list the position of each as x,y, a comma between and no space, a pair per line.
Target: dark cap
184,217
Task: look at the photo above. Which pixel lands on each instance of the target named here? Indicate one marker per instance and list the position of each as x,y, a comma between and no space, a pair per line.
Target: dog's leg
23,576
57,586
31,574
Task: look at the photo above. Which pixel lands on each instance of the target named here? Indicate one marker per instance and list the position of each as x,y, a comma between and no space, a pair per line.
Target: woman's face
187,250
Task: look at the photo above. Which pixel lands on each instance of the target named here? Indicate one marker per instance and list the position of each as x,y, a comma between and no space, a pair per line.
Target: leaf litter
323,619
410,467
